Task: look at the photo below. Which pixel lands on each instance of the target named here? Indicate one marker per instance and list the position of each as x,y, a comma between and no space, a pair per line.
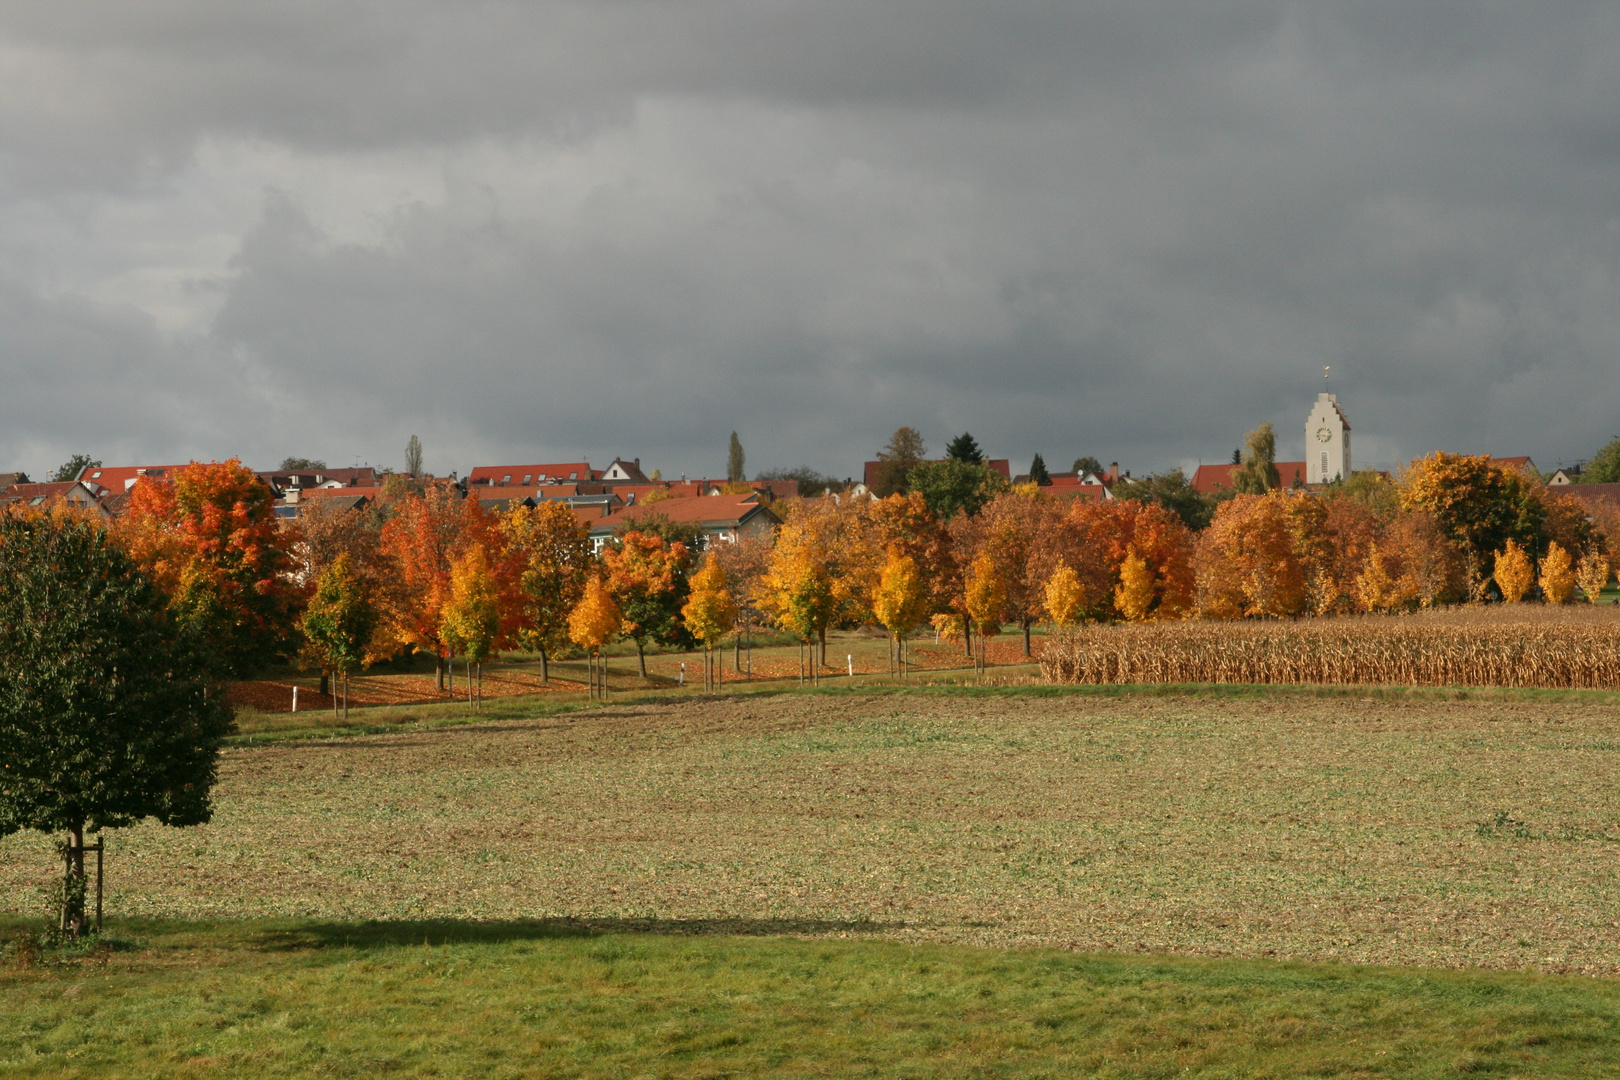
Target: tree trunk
345,697
1026,638
326,681
641,659
335,703
545,665
821,635
438,672
967,634
73,882
450,669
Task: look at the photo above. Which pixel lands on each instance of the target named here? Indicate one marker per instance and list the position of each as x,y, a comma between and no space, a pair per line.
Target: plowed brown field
1447,833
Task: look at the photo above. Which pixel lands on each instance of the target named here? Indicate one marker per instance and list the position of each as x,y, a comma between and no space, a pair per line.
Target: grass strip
562,999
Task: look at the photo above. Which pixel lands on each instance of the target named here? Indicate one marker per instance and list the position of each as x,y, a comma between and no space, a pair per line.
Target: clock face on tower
1324,435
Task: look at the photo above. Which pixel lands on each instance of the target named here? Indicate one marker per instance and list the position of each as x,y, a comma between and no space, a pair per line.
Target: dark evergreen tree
964,448
735,461
1038,473
105,717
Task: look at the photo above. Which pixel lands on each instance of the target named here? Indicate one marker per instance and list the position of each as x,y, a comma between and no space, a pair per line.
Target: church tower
1327,442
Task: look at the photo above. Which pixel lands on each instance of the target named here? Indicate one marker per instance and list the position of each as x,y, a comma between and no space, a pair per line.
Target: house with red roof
72,492
721,518
1213,479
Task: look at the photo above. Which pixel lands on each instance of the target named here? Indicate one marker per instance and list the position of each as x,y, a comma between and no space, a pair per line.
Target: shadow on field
381,934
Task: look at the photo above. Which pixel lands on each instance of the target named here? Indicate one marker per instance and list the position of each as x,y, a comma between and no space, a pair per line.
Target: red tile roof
118,478
573,471
1212,478
709,510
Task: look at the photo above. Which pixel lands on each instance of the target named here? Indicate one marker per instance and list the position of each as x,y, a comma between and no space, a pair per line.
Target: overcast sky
539,231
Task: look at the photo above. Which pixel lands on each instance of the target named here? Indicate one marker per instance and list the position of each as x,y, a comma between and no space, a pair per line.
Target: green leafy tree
105,715
1088,464
1257,473
339,621
735,461
1604,468
811,482
964,448
951,486
1038,473
70,469
302,464
896,461
1173,491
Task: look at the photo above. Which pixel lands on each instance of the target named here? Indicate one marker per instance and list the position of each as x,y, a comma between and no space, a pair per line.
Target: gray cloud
537,230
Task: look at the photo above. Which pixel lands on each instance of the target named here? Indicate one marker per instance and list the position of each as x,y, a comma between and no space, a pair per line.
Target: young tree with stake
105,714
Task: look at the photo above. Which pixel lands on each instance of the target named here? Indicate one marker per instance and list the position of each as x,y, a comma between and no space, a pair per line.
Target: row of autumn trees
430,571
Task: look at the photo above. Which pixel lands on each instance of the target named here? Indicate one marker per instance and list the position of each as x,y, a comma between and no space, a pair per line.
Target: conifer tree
735,461
1038,473
964,448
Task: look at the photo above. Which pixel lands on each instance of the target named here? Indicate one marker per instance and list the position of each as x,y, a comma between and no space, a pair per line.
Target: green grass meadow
513,999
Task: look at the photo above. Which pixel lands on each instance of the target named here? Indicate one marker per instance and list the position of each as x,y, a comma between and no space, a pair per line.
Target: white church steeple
1327,441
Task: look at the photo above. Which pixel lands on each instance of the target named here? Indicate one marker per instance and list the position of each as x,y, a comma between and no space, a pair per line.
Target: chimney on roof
1113,472
638,464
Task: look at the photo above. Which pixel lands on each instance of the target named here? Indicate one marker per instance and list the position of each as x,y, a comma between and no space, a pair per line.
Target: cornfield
1574,648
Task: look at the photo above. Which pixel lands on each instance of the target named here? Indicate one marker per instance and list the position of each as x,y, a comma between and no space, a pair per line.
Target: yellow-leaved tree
1592,574
900,602
709,613
1375,585
1134,595
1514,573
1557,575
986,596
1065,596
594,622
471,618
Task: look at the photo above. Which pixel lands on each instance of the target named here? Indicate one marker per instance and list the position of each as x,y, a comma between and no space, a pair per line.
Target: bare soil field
1432,833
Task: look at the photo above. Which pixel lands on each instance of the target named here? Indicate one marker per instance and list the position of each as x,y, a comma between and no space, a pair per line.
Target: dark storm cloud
1122,229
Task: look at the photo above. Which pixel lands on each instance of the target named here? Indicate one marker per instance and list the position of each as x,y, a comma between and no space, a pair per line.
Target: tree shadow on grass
383,933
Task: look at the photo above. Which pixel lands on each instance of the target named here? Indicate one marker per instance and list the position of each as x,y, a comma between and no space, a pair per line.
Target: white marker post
851,658
295,697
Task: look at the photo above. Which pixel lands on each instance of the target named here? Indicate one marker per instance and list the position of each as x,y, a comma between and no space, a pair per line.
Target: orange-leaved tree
710,612
1018,529
1514,573
595,621
821,570
1557,575
1246,560
210,540
428,531
647,576
470,619
548,553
